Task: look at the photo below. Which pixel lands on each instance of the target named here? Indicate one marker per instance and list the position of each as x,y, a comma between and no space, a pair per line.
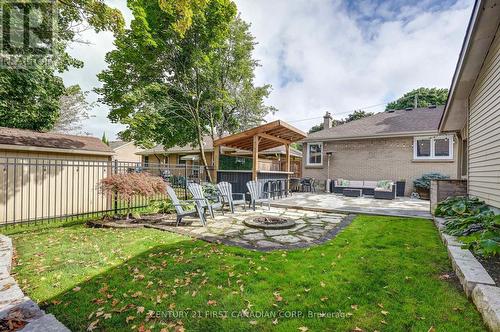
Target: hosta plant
474,222
460,206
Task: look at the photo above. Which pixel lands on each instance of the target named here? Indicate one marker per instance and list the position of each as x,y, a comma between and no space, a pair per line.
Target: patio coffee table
352,192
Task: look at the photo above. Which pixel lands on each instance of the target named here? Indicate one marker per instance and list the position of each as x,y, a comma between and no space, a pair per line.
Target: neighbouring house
472,112
394,145
44,175
126,151
178,156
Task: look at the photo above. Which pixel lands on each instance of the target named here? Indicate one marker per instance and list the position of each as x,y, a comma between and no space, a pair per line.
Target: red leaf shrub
129,185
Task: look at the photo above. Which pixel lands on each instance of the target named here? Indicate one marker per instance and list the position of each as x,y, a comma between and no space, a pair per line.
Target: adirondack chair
197,191
257,194
226,190
179,208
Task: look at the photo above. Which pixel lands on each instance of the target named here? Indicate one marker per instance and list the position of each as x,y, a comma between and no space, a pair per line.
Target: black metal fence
38,190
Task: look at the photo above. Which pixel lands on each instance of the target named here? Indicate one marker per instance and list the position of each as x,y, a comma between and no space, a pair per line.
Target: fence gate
36,189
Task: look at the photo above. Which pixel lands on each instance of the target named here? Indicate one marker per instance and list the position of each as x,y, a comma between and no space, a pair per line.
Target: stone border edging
12,298
477,283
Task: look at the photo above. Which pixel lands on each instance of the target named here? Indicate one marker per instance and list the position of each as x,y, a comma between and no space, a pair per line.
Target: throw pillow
384,184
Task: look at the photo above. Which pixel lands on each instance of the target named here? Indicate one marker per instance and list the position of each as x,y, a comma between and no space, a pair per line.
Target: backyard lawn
385,274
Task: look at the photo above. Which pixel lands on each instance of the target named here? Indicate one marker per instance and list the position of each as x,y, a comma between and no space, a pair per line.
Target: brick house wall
376,159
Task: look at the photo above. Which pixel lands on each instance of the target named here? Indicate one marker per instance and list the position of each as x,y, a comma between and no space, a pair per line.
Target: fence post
115,202
185,181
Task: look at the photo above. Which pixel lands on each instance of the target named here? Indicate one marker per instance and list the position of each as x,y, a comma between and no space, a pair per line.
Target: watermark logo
27,32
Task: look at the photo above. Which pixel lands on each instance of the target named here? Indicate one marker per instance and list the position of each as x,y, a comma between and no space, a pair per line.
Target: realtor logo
27,32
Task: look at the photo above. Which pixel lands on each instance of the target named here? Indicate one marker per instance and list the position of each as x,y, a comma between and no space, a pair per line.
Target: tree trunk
202,152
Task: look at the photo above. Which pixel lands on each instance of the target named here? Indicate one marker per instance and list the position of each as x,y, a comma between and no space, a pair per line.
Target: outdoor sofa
378,189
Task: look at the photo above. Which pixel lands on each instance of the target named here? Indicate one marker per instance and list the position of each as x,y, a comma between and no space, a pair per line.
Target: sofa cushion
356,184
385,185
383,189
370,184
344,183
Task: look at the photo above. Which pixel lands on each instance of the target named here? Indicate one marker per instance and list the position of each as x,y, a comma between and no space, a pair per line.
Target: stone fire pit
269,222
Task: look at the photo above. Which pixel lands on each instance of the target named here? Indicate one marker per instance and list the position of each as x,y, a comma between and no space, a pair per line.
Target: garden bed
492,266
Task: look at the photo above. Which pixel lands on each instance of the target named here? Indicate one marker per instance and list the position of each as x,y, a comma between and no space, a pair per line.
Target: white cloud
322,55
346,63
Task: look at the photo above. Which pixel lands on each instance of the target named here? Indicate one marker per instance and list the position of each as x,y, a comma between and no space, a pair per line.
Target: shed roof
384,124
12,138
272,134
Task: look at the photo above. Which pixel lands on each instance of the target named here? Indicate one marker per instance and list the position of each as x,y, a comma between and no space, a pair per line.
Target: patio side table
352,192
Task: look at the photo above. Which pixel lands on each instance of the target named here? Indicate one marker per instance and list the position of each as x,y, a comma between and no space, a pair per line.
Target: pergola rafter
264,137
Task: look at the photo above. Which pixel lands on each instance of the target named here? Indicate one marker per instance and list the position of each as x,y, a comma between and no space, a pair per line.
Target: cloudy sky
325,55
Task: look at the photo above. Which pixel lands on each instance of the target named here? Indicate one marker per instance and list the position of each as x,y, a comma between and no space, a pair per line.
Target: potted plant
423,184
400,187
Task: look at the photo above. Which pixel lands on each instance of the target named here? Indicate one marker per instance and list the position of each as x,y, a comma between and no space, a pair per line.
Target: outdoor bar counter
239,178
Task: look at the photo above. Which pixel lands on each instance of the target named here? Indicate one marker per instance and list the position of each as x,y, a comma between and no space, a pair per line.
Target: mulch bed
492,266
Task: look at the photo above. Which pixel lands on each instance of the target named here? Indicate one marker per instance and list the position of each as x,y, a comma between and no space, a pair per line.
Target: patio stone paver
335,203
311,228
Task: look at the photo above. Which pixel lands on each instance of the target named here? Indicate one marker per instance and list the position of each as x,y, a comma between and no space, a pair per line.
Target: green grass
378,274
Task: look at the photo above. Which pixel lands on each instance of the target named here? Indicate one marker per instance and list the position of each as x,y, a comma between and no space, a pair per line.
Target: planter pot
424,193
400,188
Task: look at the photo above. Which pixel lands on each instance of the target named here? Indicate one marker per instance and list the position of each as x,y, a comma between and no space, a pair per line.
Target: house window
146,161
439,147
314,153
180,161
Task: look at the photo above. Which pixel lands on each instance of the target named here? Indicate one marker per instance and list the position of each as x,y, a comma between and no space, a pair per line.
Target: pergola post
216,161
287,165
255,157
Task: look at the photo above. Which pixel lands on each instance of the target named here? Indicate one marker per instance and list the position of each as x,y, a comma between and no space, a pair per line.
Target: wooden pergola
267,136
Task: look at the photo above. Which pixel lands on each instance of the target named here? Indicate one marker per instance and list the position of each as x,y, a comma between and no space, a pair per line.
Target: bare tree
74,109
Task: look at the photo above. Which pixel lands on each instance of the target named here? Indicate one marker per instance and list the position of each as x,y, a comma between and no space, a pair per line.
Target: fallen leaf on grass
93,325
253,322
76,289
303,329
140,310
385,313
212,302
354,306
129,318
431,329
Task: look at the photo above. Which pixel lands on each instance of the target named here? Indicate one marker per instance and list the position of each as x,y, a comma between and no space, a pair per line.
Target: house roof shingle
28,138
384,124
116,144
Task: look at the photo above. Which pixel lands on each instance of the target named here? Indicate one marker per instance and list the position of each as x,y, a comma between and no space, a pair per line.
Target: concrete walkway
324,202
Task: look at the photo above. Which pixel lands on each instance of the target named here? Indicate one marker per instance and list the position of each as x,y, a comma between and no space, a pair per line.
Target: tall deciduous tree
422,97
173,80
29,97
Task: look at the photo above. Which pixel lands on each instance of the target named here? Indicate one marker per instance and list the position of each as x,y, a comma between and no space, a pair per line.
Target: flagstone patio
325,202
310,228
